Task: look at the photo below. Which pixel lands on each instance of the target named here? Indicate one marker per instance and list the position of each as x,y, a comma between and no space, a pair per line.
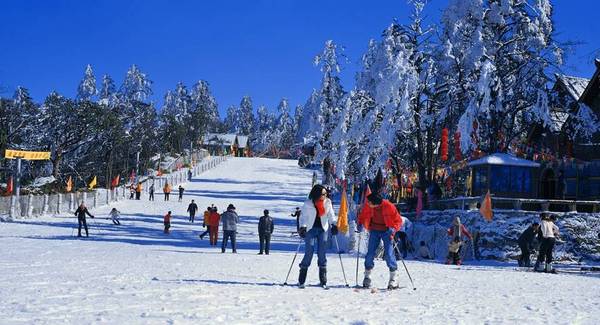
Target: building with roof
226,144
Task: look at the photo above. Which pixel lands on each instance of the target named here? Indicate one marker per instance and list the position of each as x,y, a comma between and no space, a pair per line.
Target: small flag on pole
9,186
69,186
342,223
486,207
92,184
115,181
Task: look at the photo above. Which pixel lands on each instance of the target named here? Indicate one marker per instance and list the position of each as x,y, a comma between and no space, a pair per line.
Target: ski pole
293,260
358,255
402,259
342,264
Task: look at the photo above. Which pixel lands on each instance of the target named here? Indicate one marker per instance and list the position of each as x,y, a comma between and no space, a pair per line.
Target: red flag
486,207
115,181
366,193
9,186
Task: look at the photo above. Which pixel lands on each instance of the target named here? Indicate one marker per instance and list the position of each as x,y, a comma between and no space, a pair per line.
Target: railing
54,204
520,204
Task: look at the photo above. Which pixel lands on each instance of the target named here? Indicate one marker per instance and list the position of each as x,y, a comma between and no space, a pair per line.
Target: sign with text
27,155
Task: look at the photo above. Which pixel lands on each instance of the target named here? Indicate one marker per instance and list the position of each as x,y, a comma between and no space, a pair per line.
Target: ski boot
549,268
538,267
367,279
302,277
323,277
393,283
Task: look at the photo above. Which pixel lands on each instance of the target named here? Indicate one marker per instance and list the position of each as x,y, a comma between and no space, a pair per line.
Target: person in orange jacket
215,218
138,191
206,222
167,191
167,222
381,218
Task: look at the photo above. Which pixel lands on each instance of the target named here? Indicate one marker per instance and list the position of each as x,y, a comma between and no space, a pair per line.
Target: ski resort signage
27,155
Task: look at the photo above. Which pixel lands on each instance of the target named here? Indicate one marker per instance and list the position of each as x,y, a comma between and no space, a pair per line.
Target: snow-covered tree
87,86
285,126
246,116
329,96
107,94
136,86
205,113
264,134
309,122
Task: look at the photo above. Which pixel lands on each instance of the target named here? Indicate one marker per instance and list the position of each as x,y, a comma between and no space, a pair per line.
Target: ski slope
135,274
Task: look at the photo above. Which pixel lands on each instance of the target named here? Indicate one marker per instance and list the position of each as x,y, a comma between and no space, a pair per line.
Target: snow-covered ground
134,274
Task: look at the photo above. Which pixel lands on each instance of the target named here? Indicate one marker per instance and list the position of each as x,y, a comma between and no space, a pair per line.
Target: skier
526,243
167,222
214,226
131,191
189,175
181,189
167,191
458,229
229,219
381,218
548,232
80,213
296,214
315,219
114,216
192,208
401,238
151,192
206,222
265,229
424,251
454,251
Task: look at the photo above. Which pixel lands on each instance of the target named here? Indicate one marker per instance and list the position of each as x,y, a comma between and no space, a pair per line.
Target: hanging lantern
457,151
444,144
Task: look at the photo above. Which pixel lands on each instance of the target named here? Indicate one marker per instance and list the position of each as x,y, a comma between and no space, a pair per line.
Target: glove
390,231
334,230
92,217
302,232
203,225
360,228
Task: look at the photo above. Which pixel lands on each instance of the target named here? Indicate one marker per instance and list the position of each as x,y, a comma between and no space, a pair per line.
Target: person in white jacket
115,215
549,232
316,218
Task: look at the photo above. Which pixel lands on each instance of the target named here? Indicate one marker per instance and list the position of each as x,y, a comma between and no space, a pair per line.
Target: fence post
95,199
12,214
58,203
45,207
29,205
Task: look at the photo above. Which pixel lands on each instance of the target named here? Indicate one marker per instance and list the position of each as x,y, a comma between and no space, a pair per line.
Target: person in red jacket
215,217
167,222
381,218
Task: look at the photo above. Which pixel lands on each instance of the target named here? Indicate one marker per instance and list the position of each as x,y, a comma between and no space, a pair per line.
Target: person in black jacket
80,213
526,243
192,208
265,229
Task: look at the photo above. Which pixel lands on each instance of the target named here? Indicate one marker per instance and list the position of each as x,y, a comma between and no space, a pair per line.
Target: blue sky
259,48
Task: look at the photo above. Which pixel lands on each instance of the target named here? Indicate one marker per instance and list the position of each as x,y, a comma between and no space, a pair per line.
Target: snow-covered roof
242,141
219,139
503,159
574,85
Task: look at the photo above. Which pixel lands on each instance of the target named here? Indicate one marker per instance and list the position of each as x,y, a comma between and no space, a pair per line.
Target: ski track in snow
134,274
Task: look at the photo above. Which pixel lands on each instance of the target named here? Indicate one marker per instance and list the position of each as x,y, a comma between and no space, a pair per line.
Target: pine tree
232,120
136,86
246,116
107,94
87,86
285,126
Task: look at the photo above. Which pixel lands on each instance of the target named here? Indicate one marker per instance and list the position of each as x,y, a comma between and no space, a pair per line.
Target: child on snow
114,216
549,232
181,189
206,222
424,251
167,222
454,251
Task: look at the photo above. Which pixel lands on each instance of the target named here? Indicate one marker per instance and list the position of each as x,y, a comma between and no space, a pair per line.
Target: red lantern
457,151
444,144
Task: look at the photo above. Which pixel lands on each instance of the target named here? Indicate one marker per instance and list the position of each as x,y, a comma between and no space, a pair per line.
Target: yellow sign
27,155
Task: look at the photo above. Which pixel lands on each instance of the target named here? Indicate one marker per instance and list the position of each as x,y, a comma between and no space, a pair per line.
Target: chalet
226,144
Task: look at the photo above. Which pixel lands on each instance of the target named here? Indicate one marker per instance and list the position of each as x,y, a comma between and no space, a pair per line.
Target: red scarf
320,205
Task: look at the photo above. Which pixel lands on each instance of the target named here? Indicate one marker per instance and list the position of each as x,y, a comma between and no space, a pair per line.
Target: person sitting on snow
381,218
114,216
454,251
424,251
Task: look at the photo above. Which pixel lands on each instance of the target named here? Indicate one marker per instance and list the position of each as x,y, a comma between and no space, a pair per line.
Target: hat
375,198
266,212
230,207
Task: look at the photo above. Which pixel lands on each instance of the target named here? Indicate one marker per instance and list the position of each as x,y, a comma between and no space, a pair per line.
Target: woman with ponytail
316,218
